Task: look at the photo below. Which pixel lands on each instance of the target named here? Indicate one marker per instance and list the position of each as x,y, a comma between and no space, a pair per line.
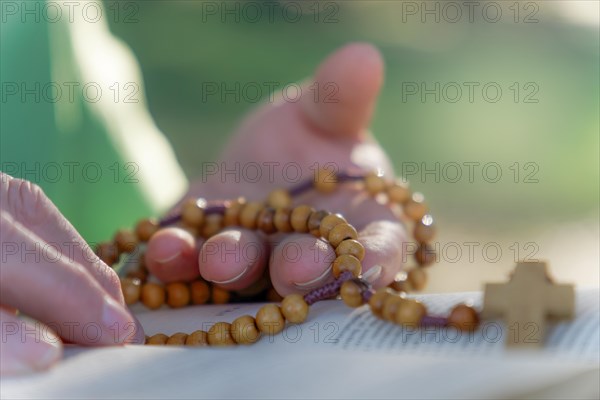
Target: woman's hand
327,127
50,274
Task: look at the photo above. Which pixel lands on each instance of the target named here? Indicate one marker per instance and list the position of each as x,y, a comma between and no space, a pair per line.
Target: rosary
529,297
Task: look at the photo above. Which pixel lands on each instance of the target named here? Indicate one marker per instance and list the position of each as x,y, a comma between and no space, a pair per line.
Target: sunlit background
542,131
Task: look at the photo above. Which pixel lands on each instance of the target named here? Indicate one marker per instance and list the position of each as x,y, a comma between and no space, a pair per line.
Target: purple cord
349,177
328,290
170,220
301,188
367,294
429,320
214,207
219,207
308,184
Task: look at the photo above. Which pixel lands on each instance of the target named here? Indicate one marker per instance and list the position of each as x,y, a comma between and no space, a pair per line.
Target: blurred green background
180,47
548,132
551,45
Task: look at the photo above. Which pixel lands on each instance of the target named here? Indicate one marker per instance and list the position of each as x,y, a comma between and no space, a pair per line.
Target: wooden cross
526,301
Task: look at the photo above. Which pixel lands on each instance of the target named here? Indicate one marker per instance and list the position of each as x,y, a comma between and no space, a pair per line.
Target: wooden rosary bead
390,306
177,339
220,335
417,277
410,312
197,338
424,229
269,319
153,295
374,184
346,262
351,294
400,283
463,317
377,301
142,262
279,198
213,223
299,218
273,296
266,220
400,286
256,288
220,295
340,233
398,193
146,228
232,212
192,230
351,247
325,180
158,339
275,215
244,330
281,220
126,241
294,308
249,214
425,255
415,208
139,273
132,290
178,294
314,221
330,222
192,212
200,292
108,253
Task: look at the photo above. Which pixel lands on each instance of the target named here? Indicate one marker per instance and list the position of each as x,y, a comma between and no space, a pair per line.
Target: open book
337,353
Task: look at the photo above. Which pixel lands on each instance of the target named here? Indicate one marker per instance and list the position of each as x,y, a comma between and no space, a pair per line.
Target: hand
50,274
305,132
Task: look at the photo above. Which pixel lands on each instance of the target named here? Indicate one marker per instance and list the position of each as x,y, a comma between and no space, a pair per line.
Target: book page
578,339
333,325
338,352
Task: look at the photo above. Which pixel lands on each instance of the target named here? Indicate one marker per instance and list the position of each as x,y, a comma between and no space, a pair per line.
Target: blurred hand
49,273
327,125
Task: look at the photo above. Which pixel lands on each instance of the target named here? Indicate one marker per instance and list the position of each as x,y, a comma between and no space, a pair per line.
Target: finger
382,235
29,205
172,255
234,259
26,346
59,292
384,250
348,83
300,263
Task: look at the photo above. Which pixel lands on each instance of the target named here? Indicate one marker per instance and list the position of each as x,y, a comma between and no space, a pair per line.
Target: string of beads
276,214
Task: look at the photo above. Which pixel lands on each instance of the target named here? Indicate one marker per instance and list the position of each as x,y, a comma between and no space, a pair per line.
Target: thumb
347,83
26,346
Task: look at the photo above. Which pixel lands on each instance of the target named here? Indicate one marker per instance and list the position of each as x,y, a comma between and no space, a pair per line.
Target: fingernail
33,350
138,336
116,320
234,279
167,259
373,273
319,279
49,353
